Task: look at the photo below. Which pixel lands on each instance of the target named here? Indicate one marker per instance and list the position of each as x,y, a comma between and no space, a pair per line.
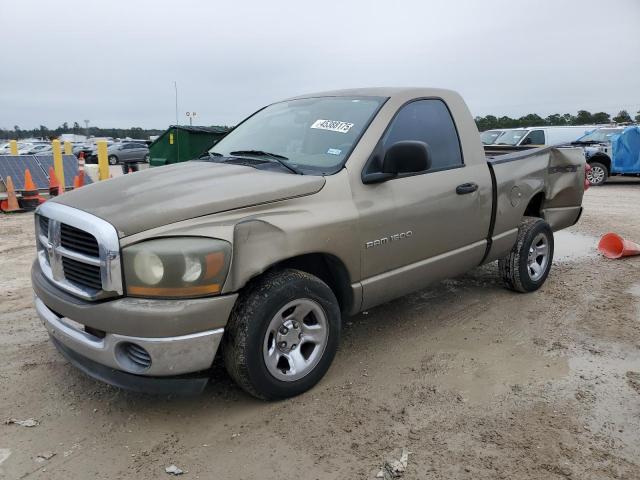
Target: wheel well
534,208
603,159
327,268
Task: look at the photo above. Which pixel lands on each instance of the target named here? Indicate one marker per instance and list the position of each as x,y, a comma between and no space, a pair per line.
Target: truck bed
554,181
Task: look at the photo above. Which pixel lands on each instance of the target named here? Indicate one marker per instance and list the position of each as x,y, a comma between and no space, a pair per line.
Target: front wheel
282,335
598,174
113,160
527,266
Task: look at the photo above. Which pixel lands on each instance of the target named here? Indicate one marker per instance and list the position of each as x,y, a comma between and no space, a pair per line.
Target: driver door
422,227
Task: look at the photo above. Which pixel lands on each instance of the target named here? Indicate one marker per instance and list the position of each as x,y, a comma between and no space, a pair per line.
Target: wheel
146,158
527,266
113,160
282,335
598,174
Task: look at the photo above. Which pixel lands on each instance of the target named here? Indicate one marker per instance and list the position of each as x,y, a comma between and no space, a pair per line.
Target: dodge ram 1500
311,209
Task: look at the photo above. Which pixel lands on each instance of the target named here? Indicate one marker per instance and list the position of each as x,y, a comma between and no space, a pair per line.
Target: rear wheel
527,266
113,160
282,335
598,173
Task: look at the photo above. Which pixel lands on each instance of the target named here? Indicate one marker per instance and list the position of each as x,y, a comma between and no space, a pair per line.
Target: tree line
583,117
47,133
488,122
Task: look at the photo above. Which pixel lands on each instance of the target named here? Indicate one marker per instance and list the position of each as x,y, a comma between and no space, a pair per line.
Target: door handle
466,188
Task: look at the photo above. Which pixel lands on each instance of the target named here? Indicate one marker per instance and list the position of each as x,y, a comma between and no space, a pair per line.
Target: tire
516,268
255,337
146,158
113,160
598,174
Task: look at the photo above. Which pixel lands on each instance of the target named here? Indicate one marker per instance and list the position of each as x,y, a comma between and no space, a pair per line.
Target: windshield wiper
282,160
210,154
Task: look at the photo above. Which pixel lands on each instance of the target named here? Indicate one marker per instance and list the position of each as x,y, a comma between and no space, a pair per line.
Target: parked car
489,137
123,153
538,136
599,151
23,148
313,208
39,149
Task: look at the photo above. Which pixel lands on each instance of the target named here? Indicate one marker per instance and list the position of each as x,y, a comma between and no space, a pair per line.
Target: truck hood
160,196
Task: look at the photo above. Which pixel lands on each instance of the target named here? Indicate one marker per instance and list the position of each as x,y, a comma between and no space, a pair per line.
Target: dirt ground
475,381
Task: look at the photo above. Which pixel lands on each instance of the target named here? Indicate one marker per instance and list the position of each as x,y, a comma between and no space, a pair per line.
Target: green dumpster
180,143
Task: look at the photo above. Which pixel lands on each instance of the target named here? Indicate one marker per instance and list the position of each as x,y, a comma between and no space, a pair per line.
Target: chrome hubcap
595,175
295,339
538,257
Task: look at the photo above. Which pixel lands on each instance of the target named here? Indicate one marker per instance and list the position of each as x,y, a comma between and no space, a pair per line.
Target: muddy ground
476,381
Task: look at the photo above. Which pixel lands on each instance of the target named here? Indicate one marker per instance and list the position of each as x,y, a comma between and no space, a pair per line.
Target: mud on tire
247,332
517,269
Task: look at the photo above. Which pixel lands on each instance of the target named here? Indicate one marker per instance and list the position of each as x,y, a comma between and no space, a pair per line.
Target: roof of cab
380,92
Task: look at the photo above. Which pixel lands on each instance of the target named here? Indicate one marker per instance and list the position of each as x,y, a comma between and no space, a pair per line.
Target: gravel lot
476,381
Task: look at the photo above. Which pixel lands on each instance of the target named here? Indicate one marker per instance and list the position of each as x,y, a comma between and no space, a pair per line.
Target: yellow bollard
68,148
103,161
13,145
58,166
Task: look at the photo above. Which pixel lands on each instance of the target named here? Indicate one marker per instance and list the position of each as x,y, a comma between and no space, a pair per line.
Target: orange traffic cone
54,184
76,182
613,245
30,195
11,203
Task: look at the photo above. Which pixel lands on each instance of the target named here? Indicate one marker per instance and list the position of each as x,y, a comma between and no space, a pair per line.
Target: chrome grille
82,273
78,252
78,240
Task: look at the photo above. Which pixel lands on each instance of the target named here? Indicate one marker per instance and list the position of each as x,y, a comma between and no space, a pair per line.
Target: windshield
312,135
490,136
601,135
511,137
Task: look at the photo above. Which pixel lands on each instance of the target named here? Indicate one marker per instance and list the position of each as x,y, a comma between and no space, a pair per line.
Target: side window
535,137
428,121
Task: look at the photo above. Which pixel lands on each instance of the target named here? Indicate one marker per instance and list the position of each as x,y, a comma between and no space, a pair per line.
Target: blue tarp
626,151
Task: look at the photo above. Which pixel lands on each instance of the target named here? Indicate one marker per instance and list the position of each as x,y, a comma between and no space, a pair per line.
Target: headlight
176,267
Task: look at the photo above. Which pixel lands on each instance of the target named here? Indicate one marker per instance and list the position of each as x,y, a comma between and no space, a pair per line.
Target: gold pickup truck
311,209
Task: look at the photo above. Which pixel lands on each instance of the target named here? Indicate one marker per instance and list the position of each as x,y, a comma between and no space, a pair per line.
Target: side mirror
407,156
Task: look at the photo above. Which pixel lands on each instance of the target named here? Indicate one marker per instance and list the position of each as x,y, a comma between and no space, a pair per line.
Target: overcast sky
114,62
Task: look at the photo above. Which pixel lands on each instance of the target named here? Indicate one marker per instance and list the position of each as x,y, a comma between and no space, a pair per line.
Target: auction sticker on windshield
333,125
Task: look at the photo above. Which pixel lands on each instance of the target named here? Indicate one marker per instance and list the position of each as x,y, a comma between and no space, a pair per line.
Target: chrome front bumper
169,356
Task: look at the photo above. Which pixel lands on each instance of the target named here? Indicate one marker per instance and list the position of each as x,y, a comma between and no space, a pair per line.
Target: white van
537,136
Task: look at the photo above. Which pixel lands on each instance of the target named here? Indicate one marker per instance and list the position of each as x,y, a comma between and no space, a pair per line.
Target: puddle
570,246
4,454
612,410
635,290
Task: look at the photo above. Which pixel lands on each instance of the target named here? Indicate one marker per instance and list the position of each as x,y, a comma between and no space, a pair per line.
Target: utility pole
86,128
191,115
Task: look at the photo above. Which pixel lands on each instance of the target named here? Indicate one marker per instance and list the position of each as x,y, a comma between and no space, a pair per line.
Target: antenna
175,86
